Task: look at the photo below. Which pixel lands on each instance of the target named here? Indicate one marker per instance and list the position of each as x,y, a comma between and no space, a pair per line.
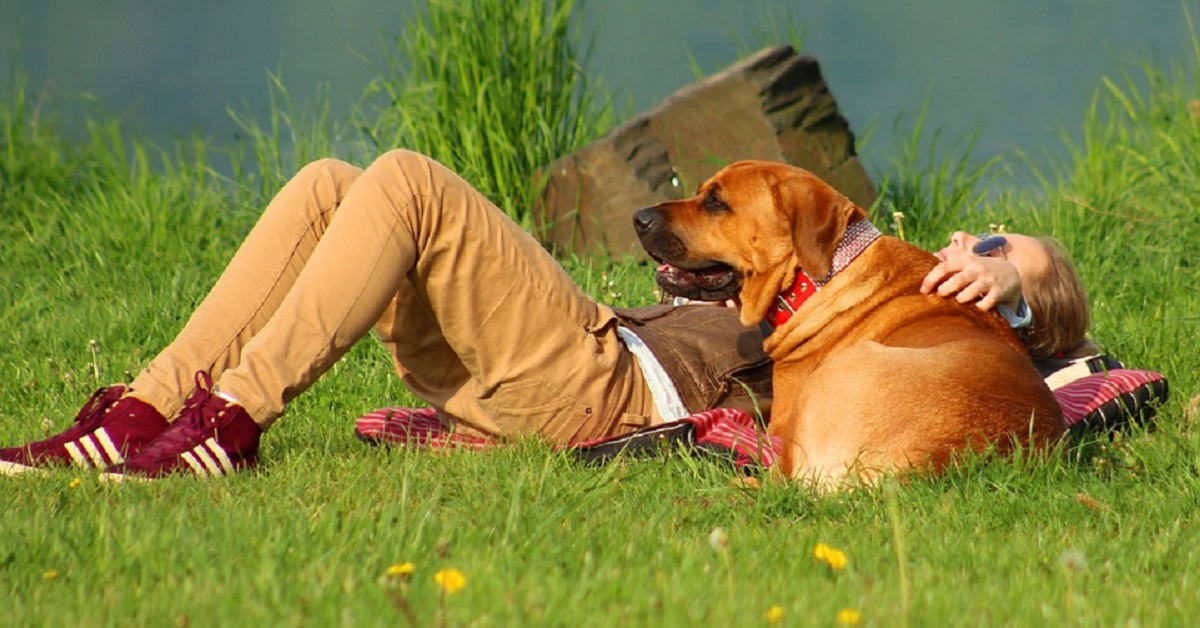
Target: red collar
790,300
857,238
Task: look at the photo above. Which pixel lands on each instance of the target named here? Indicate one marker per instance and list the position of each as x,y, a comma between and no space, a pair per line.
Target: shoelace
203,407
97,404
200,412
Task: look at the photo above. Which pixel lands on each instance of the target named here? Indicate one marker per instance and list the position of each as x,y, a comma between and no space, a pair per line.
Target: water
1019,72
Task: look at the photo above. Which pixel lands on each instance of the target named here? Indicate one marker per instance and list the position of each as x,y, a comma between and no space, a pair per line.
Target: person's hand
968,277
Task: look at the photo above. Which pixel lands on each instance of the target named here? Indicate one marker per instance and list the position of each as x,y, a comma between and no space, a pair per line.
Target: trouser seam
309,228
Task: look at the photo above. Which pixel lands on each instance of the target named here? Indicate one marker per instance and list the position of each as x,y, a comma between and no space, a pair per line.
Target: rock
772,106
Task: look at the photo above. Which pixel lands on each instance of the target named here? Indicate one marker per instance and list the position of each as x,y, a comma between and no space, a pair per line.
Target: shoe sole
121,478
13,469
88,452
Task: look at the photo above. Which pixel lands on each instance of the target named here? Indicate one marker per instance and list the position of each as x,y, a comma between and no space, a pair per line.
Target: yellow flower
76,483
401,570
849,617
775,614
835,558
450,579
50,575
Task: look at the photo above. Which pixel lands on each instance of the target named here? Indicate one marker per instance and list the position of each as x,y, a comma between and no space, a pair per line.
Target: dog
871,377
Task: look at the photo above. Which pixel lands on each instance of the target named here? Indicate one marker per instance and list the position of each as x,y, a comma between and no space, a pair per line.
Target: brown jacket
714,361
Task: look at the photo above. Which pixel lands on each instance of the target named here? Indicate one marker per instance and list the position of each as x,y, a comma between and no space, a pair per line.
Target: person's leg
252,286
119,421
482,321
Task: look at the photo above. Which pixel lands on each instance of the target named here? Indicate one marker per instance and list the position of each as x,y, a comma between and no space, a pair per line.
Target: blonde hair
1059,304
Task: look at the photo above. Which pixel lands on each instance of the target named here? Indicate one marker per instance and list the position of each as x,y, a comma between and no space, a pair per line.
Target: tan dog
870,375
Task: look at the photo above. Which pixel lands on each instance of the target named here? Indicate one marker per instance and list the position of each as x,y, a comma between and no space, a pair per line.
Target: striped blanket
1100,401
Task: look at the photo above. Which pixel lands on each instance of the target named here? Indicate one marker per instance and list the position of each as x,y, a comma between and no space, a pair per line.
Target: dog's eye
713,203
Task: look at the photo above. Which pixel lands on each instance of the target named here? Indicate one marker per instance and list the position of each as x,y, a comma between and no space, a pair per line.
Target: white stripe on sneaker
89,445
77,455
109,446
211,464
220,454
194,464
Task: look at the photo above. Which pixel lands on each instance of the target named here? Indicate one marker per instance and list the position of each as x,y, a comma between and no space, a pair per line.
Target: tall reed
494,89
935,192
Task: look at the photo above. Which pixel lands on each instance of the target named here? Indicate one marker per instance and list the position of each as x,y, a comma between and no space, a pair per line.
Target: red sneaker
212,437
111,427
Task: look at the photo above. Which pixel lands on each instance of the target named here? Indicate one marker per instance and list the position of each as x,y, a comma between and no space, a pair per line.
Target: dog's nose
644,220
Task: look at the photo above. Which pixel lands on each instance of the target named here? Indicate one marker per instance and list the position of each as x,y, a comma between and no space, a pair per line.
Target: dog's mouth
712,281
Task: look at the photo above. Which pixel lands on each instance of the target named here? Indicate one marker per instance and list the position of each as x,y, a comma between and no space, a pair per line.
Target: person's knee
406,158
403,173
327,179
329,170
410,166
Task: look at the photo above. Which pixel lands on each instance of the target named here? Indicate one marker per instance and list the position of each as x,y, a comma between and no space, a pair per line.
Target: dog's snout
646,220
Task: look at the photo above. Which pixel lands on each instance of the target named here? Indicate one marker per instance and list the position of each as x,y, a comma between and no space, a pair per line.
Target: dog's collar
857,238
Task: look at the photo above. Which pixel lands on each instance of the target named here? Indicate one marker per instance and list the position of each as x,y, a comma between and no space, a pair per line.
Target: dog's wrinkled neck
859,235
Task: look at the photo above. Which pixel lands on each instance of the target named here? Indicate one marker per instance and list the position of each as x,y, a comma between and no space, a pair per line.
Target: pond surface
1019,72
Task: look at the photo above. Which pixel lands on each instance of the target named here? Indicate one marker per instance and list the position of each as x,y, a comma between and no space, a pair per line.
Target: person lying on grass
483,325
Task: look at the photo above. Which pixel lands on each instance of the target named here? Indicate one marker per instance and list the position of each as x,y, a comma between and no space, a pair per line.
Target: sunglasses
990,243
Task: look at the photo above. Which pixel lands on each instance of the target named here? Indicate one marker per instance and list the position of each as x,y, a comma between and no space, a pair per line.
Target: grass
117,241
516,101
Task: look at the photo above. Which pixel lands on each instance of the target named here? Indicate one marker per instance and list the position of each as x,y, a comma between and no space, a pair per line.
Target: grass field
107,245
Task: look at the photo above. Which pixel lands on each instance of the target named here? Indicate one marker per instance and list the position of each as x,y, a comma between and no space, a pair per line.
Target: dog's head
745,233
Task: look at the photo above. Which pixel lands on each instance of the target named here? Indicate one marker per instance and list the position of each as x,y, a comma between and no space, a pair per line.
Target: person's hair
1060,307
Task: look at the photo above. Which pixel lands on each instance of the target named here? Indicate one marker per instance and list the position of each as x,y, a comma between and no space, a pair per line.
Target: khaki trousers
482,322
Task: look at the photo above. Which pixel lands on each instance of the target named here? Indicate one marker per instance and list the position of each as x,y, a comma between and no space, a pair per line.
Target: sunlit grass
117,241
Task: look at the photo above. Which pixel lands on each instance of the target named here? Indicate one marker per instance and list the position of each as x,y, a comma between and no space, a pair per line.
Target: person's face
1027,254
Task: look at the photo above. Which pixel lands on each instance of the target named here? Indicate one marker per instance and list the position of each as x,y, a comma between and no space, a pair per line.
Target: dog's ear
819,215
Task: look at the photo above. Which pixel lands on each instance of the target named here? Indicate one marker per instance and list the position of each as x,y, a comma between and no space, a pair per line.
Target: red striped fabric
1085,395
420,427
737,431
724,428
413,427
